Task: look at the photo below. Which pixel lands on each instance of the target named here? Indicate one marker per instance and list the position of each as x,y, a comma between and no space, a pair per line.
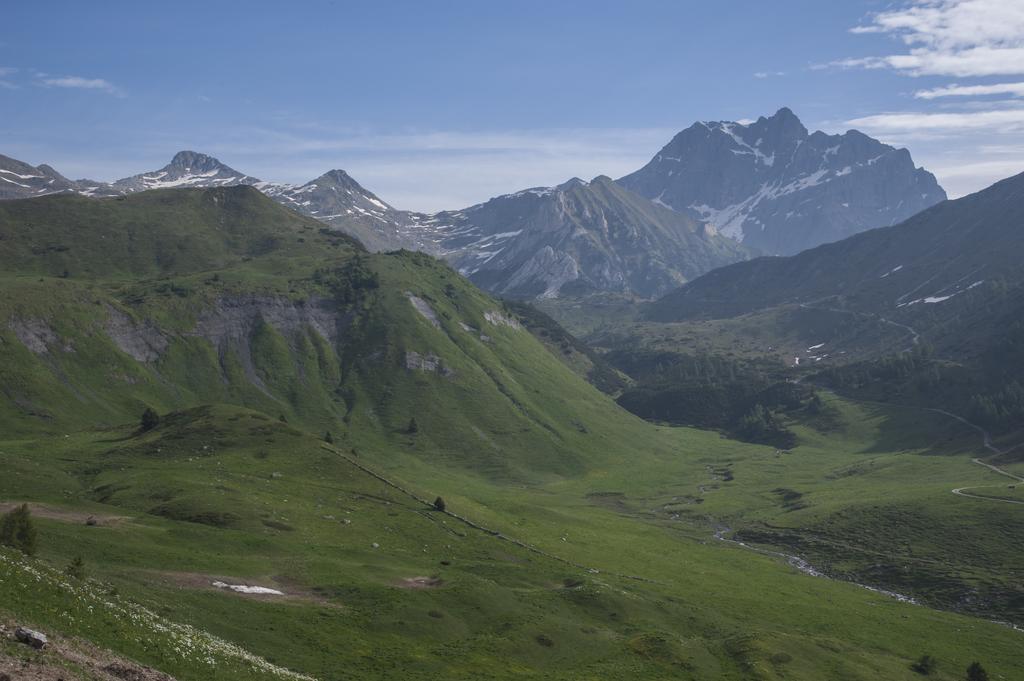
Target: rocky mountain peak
186,169
571,183
339,178
196,162
781,190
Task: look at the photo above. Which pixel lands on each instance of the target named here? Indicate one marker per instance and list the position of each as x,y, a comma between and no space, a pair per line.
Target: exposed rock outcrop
142,341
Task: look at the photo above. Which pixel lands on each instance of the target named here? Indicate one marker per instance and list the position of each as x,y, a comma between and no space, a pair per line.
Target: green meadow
577,541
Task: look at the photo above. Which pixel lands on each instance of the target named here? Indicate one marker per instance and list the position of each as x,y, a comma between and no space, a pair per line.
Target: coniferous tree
976,672
76,568
150,419
925,665
18,531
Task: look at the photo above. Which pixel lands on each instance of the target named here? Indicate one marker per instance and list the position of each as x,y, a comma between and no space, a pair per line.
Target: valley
314,398
529,341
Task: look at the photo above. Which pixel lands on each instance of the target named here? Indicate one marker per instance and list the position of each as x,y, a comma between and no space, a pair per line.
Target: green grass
702,609
621,576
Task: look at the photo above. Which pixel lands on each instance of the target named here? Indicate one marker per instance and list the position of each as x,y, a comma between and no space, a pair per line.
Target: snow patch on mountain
779,188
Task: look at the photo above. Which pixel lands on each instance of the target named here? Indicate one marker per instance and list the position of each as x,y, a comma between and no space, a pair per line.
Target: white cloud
963,140
1007,120
769,74
79,83
950,37
1015,89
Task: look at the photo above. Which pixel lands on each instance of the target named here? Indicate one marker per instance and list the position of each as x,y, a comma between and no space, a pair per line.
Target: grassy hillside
155,233
629,581
900,270
577,541
922,313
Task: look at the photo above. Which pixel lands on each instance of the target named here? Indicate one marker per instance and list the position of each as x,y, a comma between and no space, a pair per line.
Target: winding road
915,337
987,442
986,438
960,490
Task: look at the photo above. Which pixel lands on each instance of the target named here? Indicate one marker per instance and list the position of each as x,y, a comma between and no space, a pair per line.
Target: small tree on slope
17,530
976,672
150,419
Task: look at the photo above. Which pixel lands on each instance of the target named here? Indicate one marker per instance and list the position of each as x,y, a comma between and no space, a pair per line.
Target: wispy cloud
950,38
769,74
4,72
965,39
1015,89
1010,120
79,83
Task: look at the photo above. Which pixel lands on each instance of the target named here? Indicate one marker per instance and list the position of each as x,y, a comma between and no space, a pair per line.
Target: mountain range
925,312
402,462
781,190
718,193
927,263
578,238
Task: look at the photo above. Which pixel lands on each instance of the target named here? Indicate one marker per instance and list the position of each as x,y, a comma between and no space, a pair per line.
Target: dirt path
66,515
986,437
987,442
959,491
915,337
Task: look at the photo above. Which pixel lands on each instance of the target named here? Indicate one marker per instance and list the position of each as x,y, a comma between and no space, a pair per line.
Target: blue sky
441,104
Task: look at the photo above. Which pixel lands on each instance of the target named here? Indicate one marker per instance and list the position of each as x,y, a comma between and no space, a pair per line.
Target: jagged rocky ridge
778,188
577,238
770,185
334,197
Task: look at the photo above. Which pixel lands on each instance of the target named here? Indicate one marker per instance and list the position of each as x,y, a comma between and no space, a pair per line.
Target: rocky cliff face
779,189
576,238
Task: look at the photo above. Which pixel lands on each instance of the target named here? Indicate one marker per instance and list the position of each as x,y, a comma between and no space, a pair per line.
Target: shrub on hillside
18,531
150,419
976,672
924,665
76,568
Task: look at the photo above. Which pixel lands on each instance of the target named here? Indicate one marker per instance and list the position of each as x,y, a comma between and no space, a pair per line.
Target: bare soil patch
291,590
66,515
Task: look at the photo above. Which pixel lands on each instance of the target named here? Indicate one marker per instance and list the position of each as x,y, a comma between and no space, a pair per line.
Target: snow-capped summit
780,189
337,199
186,169
19,180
